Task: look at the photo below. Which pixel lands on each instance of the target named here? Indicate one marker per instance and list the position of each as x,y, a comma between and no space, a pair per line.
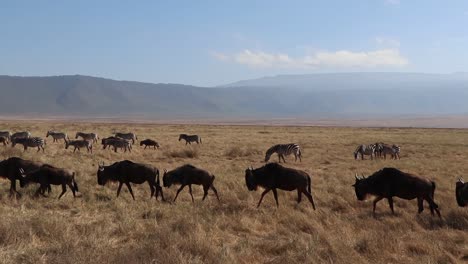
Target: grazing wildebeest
461,193
390,182
284,150
9,169
3,140
47,175
190,138
33,142
87,136
273,176
364,150
23,134
6,134
57,135
127,136
188,175
149,142
126,172
78,144
117,143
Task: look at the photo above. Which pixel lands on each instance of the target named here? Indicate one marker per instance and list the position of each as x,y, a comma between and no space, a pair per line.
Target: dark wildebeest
47,175
461,192
188,175
390,182
9,169
3,140
190,138
78,144
127,136
273,176
149,142
126,172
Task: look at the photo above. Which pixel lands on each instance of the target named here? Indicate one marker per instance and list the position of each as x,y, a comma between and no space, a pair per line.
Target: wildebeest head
250,179
102,176
459,186
355,155
181,136
24,179
141,143
67,144
167,179
361,188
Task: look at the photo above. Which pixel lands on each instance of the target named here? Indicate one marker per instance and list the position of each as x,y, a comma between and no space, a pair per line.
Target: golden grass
100,228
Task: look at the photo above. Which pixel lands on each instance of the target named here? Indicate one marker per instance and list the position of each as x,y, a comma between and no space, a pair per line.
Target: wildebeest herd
386,183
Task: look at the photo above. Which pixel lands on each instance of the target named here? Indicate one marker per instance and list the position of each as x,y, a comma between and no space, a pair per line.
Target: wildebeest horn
21,170
355,176
165,170
460,180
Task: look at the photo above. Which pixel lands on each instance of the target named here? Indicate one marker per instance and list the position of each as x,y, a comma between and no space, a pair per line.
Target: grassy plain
100,228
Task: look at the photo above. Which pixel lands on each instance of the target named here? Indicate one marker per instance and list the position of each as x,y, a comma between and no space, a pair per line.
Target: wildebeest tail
309,189
75,185
200,141
212,179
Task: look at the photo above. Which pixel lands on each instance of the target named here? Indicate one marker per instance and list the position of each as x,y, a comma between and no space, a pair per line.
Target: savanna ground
100,228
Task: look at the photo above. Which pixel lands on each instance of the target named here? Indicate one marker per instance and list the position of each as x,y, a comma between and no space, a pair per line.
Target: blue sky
215,42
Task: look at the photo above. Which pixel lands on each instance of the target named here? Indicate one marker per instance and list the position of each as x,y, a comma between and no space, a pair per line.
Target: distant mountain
300,96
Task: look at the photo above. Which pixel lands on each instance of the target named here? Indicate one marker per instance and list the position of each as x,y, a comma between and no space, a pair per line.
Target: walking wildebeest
9,169
78,144
149,142
47,175
461,193
190,138
273,176
127,136
126,172
188,175
390,182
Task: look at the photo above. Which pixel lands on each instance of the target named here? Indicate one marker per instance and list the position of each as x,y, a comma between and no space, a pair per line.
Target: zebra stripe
284,150
24,134
32,142
6,134
57,135
190,138
365,150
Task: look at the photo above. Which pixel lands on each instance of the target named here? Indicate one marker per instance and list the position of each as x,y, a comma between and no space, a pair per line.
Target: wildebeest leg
376,200
118,189
152,188
64,189
390,203
178,191
190,191
299,196
433,206
261,197
145,146
72,188
276,196
420,205
309,196
279,158
205,192
40,191
130,189
215,191
13,188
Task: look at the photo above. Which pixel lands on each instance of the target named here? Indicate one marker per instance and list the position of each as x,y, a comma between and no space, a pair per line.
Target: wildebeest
461,193
190,138
284,150
23,134
117,143
78,144
57,135
149,142
6,134
390,182
126,172
33,142
273,176
3,140
127,136
364,150
9,169
87,136
47,175
188,175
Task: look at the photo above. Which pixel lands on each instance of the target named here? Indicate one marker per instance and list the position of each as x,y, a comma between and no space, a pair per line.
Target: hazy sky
215,42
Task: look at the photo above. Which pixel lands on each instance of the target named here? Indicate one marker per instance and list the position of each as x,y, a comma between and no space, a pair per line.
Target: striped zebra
32,142
379,149
365,150
87,136
117,143
190,138
78,144
57,135
6,134
23,134
284,150
127,136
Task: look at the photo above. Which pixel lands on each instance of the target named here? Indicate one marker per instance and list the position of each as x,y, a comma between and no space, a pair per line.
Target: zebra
284,150
6,134
57,135
79,144
364,150
190,138
23,134
117,143
3,140
378,149
397,151
127,136
87,136
33,142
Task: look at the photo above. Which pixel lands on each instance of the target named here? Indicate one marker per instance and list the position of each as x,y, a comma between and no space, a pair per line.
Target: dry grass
100,228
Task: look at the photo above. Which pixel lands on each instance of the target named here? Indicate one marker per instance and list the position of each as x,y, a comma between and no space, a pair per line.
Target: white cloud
320,59
392,2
